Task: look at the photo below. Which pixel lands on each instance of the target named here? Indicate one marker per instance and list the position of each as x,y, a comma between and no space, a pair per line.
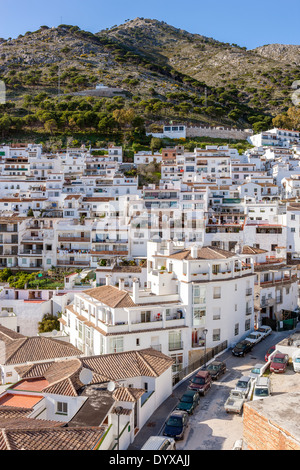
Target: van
262,388
201,382
159,443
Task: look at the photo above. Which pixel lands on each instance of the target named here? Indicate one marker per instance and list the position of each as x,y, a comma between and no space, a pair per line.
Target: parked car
279,362
235,402
243,385
254,337
238,445
269,352
241,348
262,388
201,382
264,330
257,371
159,443
189,401
296,362
216,368
176,424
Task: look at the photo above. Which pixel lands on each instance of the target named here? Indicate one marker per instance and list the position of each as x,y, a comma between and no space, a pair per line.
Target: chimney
194,251
135,290
108,279
121,284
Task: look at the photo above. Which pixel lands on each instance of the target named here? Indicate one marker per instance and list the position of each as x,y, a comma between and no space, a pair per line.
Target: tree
50,126
49,323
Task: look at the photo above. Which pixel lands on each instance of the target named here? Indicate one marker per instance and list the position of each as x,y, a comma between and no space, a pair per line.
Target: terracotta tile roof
60,377
12,412
25,423
21,349
32,349
128,394
51,438
147,362
251,250
206,252
111,296
20,400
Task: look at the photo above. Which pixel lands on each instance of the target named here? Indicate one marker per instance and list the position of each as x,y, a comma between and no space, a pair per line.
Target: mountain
166,72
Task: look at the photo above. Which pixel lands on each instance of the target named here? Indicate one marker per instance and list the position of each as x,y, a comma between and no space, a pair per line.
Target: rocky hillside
166,73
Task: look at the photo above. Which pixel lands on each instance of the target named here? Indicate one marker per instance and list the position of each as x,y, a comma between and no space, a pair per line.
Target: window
137,341
216,335
62,408
216,313
198,315
116,345
146,316
247,325
217,293
199,294
236,329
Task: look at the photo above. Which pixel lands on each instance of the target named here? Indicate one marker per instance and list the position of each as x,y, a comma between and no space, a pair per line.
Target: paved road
210,427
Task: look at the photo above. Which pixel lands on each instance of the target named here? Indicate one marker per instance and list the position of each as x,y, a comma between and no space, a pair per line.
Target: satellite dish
86,376
111,386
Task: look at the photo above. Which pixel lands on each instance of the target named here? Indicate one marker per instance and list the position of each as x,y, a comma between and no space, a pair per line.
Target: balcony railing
176,346
249,291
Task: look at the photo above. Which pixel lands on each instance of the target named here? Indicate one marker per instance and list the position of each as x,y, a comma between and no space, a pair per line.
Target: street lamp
118,411
205,331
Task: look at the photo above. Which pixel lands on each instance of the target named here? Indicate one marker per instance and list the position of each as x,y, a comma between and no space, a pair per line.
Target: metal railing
178,376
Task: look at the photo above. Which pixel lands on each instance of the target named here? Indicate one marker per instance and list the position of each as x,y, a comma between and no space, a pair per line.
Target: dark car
201,382
241,348
270,351
279,362
188,401
216,368
176,424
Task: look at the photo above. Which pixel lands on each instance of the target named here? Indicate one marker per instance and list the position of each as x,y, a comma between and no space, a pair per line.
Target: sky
263,22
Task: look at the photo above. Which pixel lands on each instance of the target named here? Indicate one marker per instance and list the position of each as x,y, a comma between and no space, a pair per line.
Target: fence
199,363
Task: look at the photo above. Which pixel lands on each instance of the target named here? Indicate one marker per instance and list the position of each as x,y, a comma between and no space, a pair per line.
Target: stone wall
218,132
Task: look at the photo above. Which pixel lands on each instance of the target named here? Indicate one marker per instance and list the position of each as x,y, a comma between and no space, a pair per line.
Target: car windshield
280,360
213,367
252,336
255,370
261,392
297,359
240,345
174,421
242,384
198,380
186,399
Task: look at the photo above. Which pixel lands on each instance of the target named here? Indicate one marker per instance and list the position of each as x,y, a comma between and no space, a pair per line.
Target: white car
257,371
262,388
296,362
243,385
254,337
264,330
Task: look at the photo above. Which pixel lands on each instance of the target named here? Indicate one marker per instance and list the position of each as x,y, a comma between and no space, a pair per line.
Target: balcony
249,311
62,238
249,291
31,252
72,263
175,346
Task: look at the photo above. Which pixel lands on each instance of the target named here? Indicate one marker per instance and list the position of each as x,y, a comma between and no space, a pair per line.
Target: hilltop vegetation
167,74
